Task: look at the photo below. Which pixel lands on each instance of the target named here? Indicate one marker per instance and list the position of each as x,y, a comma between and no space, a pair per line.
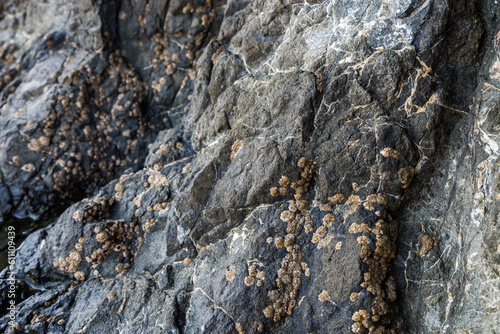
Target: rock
94,101
253,166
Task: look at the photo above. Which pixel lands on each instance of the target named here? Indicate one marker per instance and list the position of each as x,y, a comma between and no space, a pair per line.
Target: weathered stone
318,167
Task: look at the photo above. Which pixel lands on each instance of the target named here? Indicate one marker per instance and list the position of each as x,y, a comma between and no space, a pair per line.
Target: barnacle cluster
284,297
165,147
288,284
8,73
378,249
90,130
371,200
220,49
283,190
118,237
39,316
112,236
70,263
115,238
180,51
253,274
96,209
321,237
306,176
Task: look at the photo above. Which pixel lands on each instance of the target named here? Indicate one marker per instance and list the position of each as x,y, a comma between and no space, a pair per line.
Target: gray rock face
253,166
85,89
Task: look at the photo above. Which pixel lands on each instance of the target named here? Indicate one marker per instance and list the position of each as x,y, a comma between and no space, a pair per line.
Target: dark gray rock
86,91
254,166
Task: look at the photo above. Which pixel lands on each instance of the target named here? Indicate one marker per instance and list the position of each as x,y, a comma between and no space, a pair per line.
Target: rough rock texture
85,88
253,166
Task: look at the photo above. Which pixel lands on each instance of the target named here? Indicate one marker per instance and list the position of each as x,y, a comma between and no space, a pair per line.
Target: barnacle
240,328
235,148
102,236
328,220
279,242
389,152
428,243
406,175
80,275
324,296
269,312
302,205
249,280
336,199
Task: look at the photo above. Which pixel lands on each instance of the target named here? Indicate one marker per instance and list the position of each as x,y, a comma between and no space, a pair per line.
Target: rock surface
252,166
